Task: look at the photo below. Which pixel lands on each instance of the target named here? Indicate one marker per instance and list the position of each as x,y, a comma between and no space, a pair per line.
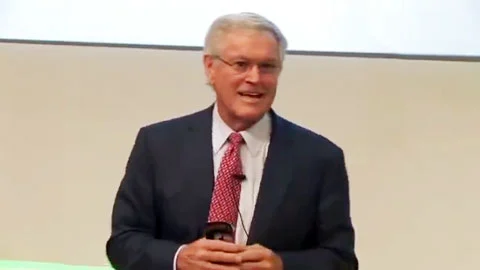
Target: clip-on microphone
239,177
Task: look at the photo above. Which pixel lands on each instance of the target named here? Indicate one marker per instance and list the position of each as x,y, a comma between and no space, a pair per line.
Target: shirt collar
255,137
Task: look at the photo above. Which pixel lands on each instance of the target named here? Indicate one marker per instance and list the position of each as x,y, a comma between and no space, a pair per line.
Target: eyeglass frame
264,68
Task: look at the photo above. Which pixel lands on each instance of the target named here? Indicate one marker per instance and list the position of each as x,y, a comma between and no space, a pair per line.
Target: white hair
244,20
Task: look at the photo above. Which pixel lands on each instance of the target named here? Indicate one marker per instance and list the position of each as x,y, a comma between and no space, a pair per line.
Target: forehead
251,44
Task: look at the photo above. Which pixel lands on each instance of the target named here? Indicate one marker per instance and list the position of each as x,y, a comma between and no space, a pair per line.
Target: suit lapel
277,175
198,167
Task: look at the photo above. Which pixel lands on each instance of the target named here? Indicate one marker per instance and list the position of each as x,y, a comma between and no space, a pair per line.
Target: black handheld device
219,230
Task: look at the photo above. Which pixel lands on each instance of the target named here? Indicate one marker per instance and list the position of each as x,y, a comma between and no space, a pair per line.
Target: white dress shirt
253,154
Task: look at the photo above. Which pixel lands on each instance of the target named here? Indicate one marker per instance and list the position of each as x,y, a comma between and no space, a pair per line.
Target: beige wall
410,129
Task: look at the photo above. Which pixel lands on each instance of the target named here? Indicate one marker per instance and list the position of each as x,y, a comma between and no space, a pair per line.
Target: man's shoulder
308,138
176,123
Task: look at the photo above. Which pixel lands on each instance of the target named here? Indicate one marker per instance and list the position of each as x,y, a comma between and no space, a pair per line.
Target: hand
257,257
205,254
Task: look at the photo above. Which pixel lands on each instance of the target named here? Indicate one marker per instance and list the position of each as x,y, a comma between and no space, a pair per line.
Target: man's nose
253,74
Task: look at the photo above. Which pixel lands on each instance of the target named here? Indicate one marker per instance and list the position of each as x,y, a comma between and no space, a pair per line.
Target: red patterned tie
226,193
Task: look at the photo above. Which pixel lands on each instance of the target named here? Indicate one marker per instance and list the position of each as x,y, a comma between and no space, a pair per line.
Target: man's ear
208,67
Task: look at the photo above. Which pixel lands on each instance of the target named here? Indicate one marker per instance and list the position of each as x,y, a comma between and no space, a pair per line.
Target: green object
25,265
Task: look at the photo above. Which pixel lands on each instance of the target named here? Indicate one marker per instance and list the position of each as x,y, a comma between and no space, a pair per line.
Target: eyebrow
270,60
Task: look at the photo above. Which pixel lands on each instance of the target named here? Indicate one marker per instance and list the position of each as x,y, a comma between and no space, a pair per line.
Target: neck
235,123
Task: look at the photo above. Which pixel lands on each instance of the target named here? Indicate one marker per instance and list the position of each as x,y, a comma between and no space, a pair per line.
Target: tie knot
235,138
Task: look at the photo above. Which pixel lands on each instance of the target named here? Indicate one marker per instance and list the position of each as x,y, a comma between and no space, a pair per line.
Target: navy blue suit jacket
302,211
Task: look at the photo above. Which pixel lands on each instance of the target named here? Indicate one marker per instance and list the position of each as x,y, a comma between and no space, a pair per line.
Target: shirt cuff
175,257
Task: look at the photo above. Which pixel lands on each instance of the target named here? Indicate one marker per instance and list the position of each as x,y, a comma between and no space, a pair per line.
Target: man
283,187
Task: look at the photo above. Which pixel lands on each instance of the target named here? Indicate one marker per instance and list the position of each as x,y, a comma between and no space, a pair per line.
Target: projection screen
427,27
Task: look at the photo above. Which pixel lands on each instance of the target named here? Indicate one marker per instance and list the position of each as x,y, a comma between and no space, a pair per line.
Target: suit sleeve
335,233
132,244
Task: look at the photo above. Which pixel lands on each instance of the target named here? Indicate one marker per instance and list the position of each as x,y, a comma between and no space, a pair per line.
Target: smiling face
244,75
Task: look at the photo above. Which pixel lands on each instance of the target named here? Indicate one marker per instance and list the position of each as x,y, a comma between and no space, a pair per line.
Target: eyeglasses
242,66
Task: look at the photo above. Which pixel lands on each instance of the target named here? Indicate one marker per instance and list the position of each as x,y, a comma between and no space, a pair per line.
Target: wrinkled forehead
250,44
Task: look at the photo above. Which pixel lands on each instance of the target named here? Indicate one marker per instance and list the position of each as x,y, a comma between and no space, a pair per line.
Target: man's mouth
251,94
